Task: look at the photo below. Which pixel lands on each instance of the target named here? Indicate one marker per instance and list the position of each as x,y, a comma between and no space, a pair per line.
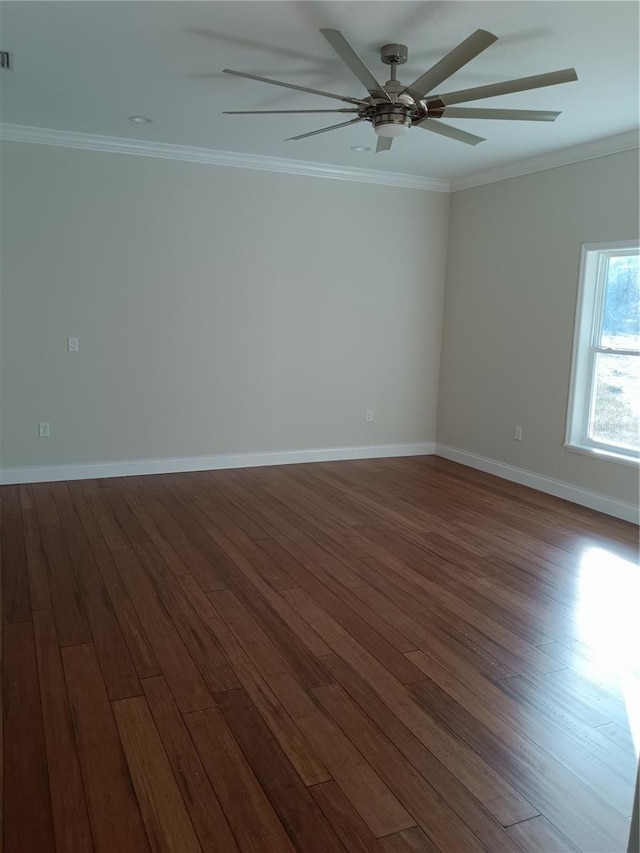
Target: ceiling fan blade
351,59
280,112
452,62
347,100
508,115
436,126
384,143
538,81
324,129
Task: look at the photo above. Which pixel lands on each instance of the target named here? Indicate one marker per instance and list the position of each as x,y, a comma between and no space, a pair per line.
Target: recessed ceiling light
140,119
360,148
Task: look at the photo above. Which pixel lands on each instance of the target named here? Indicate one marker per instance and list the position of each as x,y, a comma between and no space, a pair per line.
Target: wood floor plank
275,516
16,599
298,812
294,639
406,561
534,618
180,555
291,740
448,782
196,523
323,495
569,700
355,835
564,723
223,505
36,560
202,646
598,672
183,677
378,655
409,841
567,682
115,661
336,597
44,503
271,572
113,809
110,529
134,532
529,735
137,641
187,544
28,823
165,817
337,603
264,655
71,619
69,808
248,810
579,814
202,804
424,803
78,489
622,738
538,834
376,804
429,630
499,797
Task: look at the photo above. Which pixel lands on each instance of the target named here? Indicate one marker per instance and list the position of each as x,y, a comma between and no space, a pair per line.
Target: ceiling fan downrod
395,118
394,55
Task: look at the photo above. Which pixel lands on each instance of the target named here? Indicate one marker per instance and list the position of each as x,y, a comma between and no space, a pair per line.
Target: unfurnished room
319,426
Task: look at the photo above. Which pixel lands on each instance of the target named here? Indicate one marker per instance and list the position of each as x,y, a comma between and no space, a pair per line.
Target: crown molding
189,154
563,157
119,145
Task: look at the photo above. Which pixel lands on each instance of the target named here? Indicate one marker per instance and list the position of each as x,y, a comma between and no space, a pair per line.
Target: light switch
72,344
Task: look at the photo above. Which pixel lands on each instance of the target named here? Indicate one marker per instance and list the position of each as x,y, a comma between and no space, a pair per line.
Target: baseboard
139,467
584,497
97,470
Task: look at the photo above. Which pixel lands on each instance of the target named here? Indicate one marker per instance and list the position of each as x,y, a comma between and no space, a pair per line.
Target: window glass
604,401
621,310
615,416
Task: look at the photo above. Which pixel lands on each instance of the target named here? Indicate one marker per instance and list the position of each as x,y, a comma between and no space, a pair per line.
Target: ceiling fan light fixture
392,120
391,129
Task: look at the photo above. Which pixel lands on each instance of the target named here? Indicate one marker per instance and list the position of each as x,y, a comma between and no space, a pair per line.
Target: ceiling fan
394,108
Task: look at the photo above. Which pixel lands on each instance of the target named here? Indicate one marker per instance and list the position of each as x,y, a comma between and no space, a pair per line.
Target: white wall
218,310
512,276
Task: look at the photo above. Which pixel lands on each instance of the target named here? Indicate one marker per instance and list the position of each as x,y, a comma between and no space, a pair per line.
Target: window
604,400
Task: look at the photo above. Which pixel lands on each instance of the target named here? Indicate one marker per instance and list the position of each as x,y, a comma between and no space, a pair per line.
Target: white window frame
589,307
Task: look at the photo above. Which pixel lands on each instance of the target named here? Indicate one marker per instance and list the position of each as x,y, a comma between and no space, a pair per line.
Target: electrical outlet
517,433
43,429
72,345
369,416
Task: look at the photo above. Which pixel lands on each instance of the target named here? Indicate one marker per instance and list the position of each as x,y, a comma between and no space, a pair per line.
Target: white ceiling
87,66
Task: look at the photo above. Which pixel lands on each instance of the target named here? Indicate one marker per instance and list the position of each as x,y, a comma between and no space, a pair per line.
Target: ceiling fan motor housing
392,120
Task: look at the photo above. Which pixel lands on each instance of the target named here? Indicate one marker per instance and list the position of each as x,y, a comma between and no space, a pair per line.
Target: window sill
609,455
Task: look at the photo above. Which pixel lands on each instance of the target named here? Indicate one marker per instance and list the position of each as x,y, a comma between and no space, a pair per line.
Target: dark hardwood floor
384,655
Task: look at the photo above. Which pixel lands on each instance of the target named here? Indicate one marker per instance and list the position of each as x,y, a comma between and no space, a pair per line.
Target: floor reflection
607,621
